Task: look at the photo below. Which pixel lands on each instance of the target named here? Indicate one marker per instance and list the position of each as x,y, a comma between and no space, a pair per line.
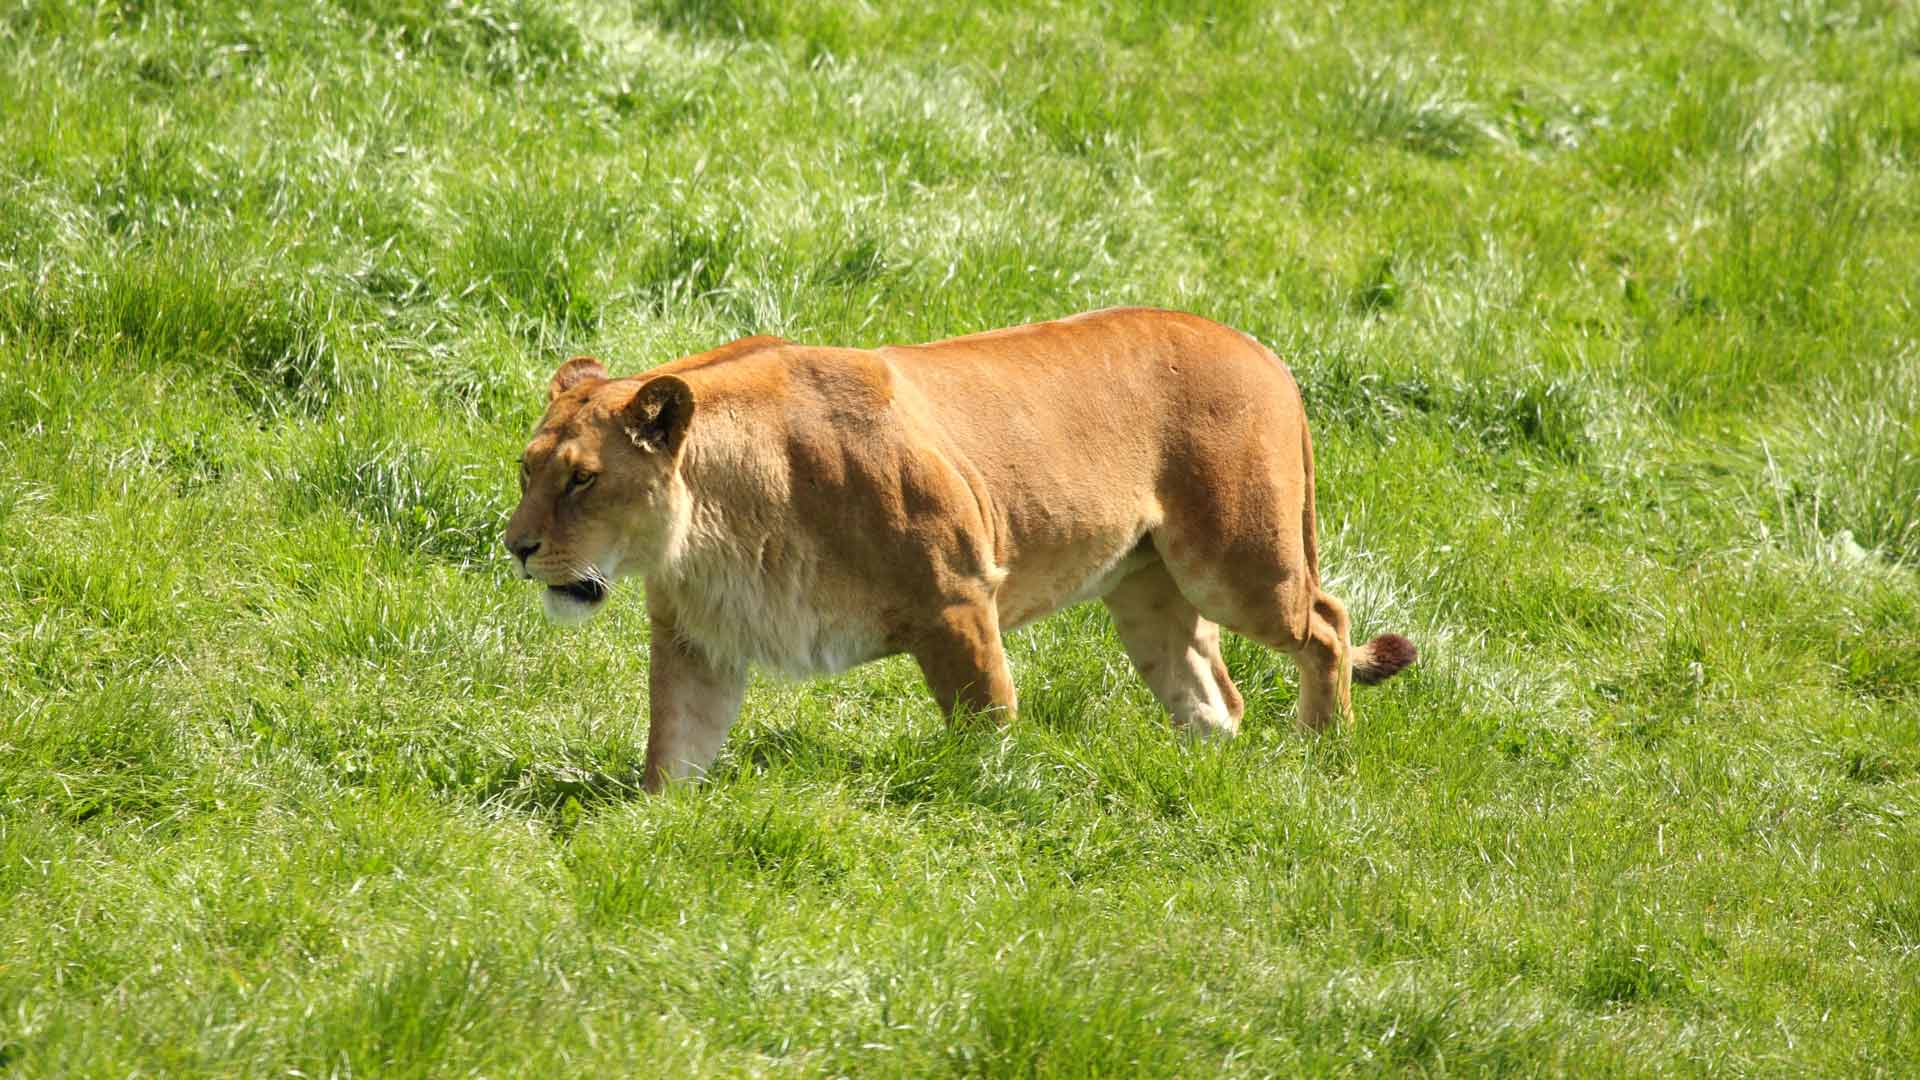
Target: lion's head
600,486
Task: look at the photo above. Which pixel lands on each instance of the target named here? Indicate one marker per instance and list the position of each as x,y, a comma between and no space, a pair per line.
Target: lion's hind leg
1286,611
1264,589
1176,651
1330,665
1325,660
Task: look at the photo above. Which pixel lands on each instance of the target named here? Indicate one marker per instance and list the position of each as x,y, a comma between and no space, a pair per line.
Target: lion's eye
580,480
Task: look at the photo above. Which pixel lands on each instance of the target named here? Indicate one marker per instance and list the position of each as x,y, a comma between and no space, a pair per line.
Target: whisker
587,572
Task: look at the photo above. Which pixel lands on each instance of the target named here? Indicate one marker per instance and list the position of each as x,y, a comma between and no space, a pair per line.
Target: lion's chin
571,605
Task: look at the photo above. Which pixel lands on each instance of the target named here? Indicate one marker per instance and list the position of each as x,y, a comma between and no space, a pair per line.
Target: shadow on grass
561,794
968,762
950,765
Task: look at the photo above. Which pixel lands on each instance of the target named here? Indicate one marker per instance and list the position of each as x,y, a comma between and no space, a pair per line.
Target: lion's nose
523,550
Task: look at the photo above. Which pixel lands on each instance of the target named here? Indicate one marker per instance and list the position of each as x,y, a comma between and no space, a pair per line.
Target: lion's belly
1040,584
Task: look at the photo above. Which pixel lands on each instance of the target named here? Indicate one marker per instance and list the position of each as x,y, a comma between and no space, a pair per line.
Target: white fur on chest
736,611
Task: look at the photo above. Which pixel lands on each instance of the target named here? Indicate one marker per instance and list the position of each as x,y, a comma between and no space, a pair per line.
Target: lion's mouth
586,590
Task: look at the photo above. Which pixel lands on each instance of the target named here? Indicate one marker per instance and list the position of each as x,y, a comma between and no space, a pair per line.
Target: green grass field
1605,314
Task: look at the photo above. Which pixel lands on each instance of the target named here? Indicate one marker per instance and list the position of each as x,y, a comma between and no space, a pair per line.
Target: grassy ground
1605,314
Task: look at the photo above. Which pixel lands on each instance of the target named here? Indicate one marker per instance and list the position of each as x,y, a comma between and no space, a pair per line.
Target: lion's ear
659,413
572,374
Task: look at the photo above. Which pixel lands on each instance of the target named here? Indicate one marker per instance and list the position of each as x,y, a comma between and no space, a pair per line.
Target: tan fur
808,509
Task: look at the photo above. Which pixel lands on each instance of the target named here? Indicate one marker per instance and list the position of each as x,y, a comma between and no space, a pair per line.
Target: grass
1605,319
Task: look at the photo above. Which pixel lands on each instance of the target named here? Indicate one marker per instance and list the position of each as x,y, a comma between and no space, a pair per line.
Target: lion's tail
1382,658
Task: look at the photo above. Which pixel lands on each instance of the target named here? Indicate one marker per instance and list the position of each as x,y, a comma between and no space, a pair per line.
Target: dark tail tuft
1382,658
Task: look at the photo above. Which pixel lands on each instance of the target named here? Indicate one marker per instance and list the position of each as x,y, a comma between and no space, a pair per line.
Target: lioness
809,509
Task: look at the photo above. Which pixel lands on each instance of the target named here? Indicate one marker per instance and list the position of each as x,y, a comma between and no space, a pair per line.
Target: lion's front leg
692,704
965,667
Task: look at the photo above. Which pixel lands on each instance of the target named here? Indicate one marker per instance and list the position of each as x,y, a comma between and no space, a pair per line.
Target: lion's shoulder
732,351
